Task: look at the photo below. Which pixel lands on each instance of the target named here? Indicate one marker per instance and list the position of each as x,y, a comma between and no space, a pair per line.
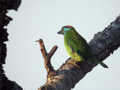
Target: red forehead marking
68,26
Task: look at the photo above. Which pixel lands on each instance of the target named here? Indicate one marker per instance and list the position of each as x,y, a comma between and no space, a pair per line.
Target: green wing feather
79,45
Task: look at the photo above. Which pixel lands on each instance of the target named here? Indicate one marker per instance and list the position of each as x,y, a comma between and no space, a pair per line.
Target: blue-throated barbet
76,46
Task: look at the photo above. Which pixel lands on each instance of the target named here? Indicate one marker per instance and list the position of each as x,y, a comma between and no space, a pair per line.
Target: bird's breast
70,52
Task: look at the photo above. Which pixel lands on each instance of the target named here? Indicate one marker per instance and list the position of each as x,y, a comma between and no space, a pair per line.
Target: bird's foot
74,63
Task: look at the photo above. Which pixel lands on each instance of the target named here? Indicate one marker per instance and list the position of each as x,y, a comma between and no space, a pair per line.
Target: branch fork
47,57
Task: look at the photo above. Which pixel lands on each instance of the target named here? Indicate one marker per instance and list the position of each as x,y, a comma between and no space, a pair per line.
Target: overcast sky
42,19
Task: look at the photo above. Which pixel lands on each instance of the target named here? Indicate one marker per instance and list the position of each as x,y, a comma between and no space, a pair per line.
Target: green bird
76,46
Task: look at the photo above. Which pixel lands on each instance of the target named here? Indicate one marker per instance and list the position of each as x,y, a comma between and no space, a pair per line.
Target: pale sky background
42,19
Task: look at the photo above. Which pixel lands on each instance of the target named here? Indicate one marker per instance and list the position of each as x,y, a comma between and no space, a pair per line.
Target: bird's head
65,29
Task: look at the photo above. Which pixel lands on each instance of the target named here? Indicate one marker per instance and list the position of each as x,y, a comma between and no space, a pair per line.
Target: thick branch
102,45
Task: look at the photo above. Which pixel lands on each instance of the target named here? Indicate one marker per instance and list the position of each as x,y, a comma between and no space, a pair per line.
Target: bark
68,75
5,5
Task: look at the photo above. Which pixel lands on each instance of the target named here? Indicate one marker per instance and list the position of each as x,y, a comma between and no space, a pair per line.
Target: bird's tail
99,62
103,64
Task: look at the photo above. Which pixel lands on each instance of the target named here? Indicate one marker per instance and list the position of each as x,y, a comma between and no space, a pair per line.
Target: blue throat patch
66,29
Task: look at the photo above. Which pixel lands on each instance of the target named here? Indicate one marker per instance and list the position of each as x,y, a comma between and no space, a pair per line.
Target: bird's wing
79,45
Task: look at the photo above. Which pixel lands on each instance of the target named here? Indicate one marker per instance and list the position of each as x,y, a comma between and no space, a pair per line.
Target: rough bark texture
5,5
102,45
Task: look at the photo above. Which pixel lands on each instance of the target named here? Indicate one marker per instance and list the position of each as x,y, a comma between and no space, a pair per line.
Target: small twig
52,51
42,47
47,56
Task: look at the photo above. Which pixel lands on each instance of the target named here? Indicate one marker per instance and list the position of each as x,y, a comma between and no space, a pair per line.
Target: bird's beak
60,32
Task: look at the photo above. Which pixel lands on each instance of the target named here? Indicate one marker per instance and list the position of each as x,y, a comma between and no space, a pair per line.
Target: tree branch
47,56
102,45
50,54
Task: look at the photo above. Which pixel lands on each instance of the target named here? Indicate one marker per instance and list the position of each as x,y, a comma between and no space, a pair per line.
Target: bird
76,46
